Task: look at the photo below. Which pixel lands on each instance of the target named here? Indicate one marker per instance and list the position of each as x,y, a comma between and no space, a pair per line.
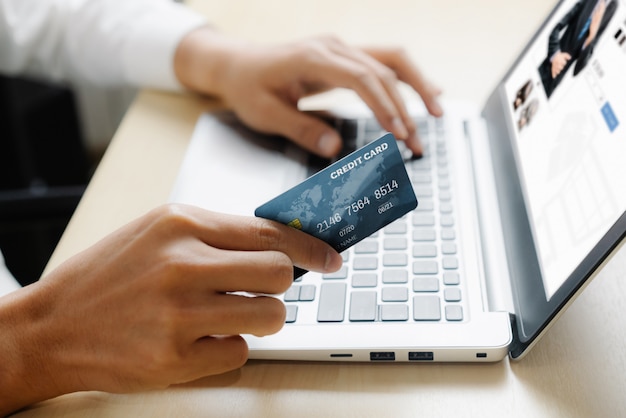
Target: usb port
421,355
382,356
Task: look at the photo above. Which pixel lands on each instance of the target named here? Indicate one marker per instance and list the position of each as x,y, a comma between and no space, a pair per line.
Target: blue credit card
350,199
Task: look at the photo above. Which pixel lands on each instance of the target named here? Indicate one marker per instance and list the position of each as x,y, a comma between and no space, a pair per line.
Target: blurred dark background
44,169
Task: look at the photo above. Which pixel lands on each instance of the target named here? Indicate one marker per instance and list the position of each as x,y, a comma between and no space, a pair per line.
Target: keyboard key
292,294
424,235
422,177
292,314
371,124
332,302
426,308
450,263
363,306
395,276
394,294
448,234
424,250
396,228
364,280
395,244
426,284
445,195
423,128
421,164
425,205
451,278
441,130
423,191
448,248
342,273
394,312
454,313
366,247
395,260
446,221
422,219
452,294
365,263
307,293
425,267
445,207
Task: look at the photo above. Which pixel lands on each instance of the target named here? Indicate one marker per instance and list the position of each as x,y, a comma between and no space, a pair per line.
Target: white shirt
102,42
7,282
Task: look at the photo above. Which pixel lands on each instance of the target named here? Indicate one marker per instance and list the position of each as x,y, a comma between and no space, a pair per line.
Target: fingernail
327,144
399,129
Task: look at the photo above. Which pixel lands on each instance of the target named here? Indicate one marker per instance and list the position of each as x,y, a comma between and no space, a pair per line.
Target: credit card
350,199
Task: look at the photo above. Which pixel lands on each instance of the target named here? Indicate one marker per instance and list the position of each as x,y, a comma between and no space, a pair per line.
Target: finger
229,314
408,72
210,356
216,270
404,127
242,233
312,134
398,122
340,69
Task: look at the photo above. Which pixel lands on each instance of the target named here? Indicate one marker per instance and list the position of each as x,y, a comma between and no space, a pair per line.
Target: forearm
29,370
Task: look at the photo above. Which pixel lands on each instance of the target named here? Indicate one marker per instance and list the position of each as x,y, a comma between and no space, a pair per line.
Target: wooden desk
577,370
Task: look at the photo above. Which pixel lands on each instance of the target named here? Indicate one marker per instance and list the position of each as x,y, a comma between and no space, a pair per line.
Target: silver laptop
521,202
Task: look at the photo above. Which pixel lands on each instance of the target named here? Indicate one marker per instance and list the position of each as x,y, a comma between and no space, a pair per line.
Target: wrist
203,58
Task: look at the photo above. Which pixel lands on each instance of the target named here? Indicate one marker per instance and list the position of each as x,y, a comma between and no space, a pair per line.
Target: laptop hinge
515,341
497,278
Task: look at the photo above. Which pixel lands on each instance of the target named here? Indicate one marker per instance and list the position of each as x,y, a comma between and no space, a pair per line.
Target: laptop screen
567,100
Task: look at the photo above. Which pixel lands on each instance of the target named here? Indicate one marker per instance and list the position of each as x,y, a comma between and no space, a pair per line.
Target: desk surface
577,370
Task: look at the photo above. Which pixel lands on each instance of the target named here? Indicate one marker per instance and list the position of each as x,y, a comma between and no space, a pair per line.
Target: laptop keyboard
409,271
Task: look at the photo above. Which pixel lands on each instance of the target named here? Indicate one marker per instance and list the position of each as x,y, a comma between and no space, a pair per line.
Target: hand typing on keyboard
263,84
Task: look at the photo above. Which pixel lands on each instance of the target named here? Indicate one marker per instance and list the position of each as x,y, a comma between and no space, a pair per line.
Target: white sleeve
7,282
104,42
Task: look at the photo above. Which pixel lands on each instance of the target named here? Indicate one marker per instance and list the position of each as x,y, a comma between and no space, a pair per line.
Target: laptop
520,203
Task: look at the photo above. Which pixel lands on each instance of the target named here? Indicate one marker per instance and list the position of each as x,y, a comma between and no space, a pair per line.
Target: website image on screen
568,106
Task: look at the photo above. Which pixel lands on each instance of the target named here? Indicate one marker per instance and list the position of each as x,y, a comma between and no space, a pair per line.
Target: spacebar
332,302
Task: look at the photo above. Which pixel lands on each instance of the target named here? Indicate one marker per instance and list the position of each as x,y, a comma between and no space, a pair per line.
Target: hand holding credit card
350,199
